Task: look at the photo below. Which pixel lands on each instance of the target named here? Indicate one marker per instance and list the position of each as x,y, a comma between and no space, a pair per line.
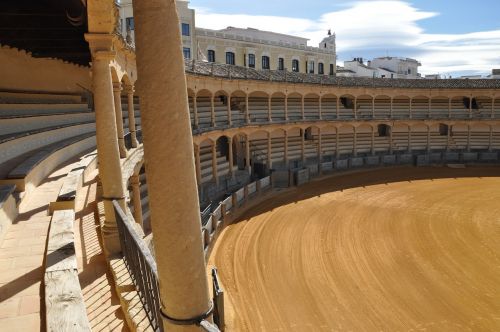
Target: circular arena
399,249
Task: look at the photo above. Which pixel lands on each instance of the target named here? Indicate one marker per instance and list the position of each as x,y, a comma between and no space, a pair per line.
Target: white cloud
376,27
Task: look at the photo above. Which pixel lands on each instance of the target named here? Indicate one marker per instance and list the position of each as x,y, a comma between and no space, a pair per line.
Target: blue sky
449,37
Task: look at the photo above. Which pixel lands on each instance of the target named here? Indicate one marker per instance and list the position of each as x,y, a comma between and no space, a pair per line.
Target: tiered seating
311,108
484,107
458,138
294,145
479,139
418,138
364,108
399,139
204,109
258,150
495,139
346,143
328,142
277,150
382,107
39,132
439,108
191,110
220,109
496,108
400,108
438,141
363,141
381,143
458,109
258,107
278,108
329,107
8,208
420,108
137,113
206,164
311,148
295,108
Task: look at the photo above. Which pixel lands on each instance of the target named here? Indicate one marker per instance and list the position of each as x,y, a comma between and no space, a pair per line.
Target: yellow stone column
285,154
131,115
215,171
302,108
135,183
117,91
212,111
247,110
108,155
170,165
286,108
269,110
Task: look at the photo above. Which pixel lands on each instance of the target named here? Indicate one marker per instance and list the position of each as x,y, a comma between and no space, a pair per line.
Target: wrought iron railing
141,266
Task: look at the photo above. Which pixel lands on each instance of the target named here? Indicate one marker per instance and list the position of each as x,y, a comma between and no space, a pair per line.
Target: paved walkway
21,263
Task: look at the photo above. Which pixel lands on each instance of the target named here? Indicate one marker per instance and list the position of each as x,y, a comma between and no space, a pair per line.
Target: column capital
104,55
99,42
129,89
135,179
117,86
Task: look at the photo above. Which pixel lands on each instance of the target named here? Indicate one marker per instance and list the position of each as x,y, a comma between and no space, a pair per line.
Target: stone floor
21,263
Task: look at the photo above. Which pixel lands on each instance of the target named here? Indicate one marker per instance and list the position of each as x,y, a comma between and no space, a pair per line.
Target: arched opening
294,106
401,107
278,107
238,107
439,107
222,151
382,138
258,106
204,108
382,105
459,107
420,107
329,107
364,107
346,107
220,108
311,106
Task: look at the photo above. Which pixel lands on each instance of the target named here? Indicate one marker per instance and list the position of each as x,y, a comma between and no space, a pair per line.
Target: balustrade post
168,142
135,183
131,115
117,91
448,135
390,141
337,139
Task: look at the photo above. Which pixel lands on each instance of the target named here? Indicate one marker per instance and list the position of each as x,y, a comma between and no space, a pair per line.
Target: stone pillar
355,110
215,175
131,115
449,108
212,111
135,183
197,164
269,110
247,110
231,161
173,194
110,171
338,107
391,110
117,91
470,107
229,119
373,108
195,112
493,107
269,152
429,108
410,110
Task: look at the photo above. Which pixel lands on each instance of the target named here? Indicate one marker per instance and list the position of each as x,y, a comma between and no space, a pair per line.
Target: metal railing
142,268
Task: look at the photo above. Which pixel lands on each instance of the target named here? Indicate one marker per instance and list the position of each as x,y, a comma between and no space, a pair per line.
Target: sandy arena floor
407,249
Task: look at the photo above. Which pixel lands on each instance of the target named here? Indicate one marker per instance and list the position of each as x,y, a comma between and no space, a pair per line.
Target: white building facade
385,67
248,47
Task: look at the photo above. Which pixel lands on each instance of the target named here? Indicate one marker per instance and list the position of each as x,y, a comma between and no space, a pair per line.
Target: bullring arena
325,203
389,250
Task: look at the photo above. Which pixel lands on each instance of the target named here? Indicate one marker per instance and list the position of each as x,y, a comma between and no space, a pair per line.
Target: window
321,68
187,52
251,60
409,71
230,58
281,64
310,67
331,69
295,66
185,29
211,56
265,62
129,21
383,130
